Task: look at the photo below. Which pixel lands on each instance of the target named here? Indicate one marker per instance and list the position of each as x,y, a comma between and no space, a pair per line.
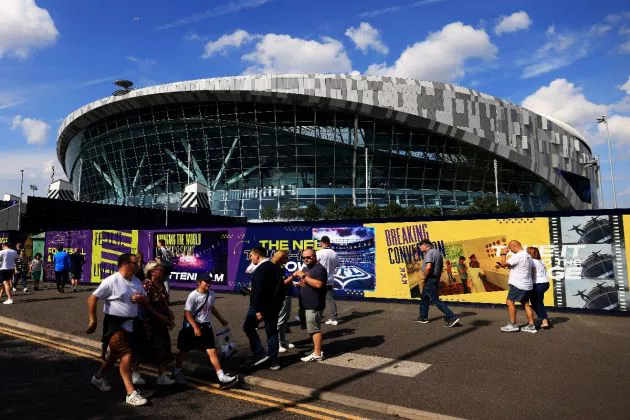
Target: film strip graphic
559,290
618,245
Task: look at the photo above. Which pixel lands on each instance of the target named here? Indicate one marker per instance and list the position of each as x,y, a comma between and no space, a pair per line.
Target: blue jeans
430,295
270,318
537,299
17,276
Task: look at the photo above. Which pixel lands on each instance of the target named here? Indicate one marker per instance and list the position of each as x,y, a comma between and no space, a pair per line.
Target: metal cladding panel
497,125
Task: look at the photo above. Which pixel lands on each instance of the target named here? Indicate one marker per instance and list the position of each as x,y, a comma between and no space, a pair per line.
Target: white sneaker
227,378
8,302
282,349
25,289
137,379
510,327
290,345
101,383
135,399
164,379
13,289
297,317
332,322
313,358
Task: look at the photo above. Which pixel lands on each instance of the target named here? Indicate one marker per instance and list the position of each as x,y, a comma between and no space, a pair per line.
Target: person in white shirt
8,257
121,293
327,257
541,285
521,285
197,333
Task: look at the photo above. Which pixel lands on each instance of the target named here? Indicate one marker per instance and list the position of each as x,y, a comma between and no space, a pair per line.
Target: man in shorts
521,285
121,294
197,333
312,281
8,257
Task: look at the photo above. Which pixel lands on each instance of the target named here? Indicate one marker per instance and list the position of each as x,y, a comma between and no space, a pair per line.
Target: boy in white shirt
521,285
197,334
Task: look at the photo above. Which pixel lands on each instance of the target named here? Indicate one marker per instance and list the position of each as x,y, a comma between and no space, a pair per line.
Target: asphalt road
40,380
577,370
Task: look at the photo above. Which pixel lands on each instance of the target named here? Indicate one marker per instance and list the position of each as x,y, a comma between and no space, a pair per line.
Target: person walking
521,285
263,306
142,267
165,256
327,257
312,282
121,293
8,256
197,333
432,268
21,271
36,268
285,291
157,322
77,259
541,285
462,270
62,266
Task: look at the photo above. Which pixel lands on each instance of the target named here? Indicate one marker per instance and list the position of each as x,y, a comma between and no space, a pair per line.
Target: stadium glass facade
254,155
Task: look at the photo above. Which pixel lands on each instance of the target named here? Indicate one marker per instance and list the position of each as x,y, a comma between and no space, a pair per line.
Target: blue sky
568,59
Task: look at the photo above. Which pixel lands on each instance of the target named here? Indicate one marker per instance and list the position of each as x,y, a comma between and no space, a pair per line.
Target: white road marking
378,364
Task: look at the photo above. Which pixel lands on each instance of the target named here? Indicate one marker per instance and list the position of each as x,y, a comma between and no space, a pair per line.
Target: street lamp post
33,188
598,173
167,199
496,180
604,120
20,202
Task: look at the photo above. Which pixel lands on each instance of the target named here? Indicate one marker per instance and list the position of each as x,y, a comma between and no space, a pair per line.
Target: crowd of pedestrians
138,320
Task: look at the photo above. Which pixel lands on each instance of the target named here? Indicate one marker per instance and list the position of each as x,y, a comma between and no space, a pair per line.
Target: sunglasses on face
307,258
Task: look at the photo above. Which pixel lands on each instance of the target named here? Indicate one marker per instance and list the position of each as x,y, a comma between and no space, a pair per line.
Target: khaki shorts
313,320
119,344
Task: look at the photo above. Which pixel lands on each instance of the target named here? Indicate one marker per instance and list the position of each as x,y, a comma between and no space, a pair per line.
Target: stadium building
259,142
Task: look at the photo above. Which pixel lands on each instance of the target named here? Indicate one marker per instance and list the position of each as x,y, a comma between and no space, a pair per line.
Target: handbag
226,346
186,324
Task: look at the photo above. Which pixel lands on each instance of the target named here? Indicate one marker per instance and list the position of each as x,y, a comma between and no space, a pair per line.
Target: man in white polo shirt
121,293
7,269
521,285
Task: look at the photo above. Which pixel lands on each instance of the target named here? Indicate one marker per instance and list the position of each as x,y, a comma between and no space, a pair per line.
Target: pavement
577,370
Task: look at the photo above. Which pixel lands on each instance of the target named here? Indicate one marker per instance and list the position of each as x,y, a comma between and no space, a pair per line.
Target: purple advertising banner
70,240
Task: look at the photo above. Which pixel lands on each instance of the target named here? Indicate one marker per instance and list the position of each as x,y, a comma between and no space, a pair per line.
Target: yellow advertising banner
475,278
107,246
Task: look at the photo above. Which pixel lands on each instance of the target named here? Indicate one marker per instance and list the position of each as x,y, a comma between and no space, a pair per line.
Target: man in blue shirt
62,267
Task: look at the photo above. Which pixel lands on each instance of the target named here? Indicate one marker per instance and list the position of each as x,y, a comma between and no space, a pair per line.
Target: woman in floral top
157,347
21,270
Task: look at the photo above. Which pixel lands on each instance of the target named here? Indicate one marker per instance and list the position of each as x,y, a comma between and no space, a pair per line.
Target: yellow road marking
245,395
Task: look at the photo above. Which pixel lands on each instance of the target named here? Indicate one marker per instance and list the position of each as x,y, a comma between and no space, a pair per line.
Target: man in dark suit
263,306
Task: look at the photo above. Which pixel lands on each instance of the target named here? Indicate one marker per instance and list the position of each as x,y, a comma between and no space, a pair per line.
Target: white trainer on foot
101,383
135,399
25,289
290,345
282,349
137,379
313,358
8,302
332,322
164,379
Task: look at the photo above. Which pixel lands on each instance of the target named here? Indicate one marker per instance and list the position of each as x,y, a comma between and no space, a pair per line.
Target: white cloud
23,27
284,54
624,30
624,48
626,86
600,29
517,21
378,12
233,40
442,55
37,169
35,131
426,2
8,101
232,6
561,50
141,61
93,82
366,37
619,127
563,100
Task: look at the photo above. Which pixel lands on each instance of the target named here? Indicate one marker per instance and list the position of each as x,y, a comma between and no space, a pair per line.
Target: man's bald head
515,246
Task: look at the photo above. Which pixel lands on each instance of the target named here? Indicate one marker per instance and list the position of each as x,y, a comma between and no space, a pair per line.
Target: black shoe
452,322
275,366
260,360
421,320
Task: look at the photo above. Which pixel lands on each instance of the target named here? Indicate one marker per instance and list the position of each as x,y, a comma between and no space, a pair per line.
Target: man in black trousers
263,306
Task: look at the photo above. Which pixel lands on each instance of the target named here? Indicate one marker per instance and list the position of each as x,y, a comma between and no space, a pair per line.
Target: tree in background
311,212
268,213
289,210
